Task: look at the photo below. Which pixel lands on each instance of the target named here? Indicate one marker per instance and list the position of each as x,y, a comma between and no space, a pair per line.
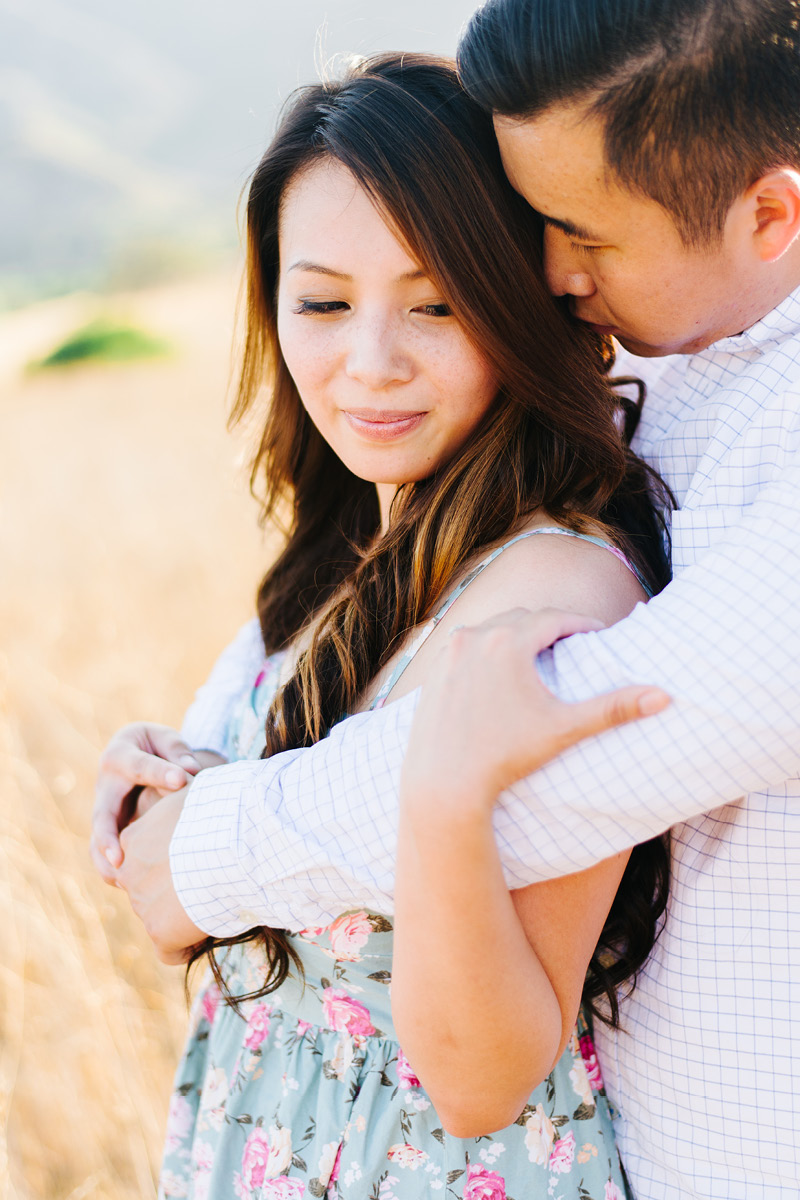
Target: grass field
129,554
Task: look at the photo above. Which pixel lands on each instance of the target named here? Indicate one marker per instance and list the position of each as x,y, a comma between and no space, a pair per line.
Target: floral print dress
307,1093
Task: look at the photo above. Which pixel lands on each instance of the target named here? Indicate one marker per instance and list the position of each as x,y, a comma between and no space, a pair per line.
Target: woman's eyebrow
303,264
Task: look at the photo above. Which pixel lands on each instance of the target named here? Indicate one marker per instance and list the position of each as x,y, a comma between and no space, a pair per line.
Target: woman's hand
146,877
485,719
139,755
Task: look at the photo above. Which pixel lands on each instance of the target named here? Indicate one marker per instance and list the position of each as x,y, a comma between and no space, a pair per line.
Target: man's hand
139,755
485,719
145,875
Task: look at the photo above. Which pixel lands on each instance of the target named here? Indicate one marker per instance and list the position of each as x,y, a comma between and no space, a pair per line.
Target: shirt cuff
209,877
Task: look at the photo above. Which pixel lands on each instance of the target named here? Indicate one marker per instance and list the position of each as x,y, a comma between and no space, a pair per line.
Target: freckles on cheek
303,355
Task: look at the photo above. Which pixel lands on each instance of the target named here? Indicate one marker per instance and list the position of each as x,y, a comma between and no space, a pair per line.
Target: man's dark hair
698,98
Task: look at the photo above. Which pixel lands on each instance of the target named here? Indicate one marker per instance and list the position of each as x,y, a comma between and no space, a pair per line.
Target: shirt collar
781,323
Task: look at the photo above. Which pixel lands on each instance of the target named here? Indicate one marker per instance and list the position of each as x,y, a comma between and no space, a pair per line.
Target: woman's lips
382,425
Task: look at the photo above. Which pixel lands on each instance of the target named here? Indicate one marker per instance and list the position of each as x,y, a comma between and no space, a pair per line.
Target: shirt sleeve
295,840
208,718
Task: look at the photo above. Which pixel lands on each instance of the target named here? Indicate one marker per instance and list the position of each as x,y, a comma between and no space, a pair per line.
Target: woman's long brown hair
552,440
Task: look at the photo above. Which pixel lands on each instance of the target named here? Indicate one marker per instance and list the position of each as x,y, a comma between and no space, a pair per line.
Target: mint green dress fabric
307,1093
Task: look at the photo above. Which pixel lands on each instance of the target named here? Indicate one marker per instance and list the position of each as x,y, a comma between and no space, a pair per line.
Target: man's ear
774,205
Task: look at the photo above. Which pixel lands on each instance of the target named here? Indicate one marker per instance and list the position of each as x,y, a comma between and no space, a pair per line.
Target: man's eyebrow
303,264
571,230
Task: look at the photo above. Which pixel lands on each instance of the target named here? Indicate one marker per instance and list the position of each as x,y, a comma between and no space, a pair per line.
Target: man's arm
294,840
723,640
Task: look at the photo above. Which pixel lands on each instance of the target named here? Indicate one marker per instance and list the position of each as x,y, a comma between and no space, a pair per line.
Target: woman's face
384,370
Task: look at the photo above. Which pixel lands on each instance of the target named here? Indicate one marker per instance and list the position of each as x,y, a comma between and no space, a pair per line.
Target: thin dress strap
427,629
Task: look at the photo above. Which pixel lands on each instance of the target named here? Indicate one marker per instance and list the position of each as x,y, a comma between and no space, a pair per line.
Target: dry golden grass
129,555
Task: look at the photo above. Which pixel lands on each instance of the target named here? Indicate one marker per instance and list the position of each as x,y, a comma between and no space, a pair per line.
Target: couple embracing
478,926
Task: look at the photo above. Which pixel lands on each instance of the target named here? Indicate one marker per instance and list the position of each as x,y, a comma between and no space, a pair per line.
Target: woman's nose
564,271
378,355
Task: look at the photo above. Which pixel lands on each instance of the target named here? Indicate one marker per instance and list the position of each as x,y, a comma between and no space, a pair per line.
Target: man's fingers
613,709
542,627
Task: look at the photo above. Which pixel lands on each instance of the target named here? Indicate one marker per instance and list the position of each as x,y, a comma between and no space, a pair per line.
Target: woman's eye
434,310
581,246
320,306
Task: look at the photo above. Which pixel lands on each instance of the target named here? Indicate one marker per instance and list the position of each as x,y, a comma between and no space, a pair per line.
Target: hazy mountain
128,130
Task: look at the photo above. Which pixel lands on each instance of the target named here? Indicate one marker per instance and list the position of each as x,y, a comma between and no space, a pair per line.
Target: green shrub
104,341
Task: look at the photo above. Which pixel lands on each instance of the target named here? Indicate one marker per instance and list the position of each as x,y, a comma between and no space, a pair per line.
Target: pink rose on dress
406,1155
257,1026
283,1188
311,932
202,1156
302,1028
405,1072
348,934
563,1155
612,1192
179,1121
589,1056
254,1164
210,1002
345,1014
264,1157
202,1163
483,1184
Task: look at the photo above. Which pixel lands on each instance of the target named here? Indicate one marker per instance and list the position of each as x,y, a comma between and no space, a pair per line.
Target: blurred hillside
127,131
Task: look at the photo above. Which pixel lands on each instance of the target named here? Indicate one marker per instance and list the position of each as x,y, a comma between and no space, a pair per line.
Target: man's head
660,139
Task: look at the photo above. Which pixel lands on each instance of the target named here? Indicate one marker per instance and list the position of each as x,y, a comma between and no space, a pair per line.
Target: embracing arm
296,839
724,641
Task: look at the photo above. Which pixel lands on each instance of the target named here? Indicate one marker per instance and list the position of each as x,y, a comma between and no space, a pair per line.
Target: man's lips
383,424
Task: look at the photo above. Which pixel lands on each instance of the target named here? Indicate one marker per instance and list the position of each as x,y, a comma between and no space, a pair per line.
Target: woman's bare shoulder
552,570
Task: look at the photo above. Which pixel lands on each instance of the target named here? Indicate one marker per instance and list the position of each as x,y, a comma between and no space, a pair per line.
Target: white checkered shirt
704,1074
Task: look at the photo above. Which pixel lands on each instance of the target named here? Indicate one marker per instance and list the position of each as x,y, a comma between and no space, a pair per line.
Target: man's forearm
277,841
312,833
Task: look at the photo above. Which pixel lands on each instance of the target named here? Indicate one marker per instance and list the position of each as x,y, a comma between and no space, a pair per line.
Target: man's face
617,254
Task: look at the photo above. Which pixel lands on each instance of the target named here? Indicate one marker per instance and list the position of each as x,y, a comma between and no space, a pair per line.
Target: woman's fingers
167,744
104,846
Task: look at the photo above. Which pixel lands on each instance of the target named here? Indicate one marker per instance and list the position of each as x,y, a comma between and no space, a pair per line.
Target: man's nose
563,269
378,355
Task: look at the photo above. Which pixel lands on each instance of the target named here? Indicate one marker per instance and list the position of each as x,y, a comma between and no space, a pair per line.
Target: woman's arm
486,984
